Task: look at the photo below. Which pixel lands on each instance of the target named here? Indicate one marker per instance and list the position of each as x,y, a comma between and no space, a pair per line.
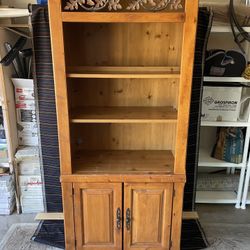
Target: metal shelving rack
205,160
9,33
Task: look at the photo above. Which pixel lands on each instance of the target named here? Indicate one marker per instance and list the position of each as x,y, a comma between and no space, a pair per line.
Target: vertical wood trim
68,211
118,204
187,59
177,216
127,204
57,47
79,231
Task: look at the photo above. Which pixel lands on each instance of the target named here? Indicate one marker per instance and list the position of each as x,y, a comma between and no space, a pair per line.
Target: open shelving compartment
123,96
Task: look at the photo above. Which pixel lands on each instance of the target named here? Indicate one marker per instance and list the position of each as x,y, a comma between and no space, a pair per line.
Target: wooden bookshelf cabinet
123,84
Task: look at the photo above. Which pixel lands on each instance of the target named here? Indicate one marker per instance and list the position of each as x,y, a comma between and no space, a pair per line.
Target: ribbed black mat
52,233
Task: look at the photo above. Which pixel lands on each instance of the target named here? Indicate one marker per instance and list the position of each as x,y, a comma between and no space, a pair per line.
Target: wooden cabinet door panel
96,206
149,207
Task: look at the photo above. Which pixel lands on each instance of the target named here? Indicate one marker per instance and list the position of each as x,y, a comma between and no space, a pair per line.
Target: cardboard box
7,211
221,103
31,186
7,194
26,111
27,153
31,205
27,133
24,89
3,151
6,181
30,191
30,180
8,203
28,160
29,168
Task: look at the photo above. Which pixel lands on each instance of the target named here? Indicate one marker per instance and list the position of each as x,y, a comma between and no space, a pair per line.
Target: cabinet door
97,206
147,216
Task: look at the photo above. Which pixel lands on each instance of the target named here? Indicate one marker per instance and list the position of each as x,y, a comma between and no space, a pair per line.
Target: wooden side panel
8,97
68,211
96,209
177,216
150,207
57,46
187,60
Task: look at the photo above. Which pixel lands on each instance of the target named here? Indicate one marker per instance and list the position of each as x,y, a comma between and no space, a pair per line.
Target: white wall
17,3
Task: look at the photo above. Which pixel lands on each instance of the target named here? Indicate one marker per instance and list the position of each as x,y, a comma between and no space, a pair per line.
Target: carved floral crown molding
115,5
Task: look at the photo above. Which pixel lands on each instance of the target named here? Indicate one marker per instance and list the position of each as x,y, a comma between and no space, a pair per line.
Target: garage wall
17,3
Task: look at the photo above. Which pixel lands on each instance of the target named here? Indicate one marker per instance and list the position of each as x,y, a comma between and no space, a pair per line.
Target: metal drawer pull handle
118,218
128,219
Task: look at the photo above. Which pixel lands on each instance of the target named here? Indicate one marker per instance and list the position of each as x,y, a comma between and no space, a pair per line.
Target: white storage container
221,103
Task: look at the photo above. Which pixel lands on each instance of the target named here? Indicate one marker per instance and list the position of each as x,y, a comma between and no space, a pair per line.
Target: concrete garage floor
220,214
7,221
210,213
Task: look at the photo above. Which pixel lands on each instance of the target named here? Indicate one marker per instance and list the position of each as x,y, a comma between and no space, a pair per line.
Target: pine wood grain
123,67
57,47
187,60
124,162
68,208
123,72
146,202
96,205
123,17
123,92
177,216
120,178
121,136
60,216
123,45
124,115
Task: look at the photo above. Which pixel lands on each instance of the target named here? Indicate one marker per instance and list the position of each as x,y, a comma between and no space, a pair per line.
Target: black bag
231,63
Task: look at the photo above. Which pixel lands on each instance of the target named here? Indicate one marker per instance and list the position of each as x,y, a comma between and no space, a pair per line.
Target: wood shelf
124,161
123,72
225,79
14,25
124,115
121,17
224,124
205,160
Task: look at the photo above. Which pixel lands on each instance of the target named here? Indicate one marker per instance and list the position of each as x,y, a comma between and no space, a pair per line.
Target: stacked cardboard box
30,181
26,112
7,194
3,141
7,185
